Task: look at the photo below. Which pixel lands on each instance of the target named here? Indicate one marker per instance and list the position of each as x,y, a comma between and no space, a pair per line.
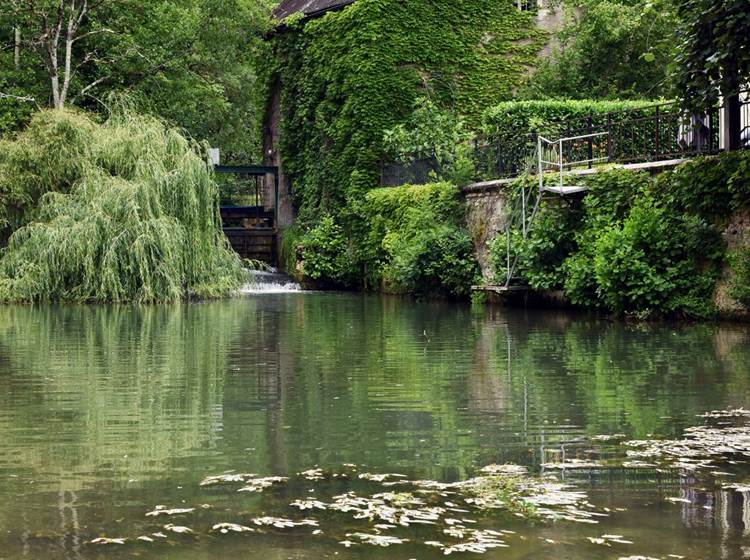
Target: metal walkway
523,213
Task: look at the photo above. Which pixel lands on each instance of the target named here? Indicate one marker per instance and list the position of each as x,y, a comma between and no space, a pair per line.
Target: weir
252,229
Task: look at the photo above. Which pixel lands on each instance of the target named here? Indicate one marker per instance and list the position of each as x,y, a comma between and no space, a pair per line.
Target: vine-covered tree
714,50
713,61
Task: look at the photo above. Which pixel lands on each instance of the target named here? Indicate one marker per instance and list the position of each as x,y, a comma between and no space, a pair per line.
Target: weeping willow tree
123,211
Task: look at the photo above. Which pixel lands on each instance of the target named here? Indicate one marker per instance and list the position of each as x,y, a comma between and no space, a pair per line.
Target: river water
108,412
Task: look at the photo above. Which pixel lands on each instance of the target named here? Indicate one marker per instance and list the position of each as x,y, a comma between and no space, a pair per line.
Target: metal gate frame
256,171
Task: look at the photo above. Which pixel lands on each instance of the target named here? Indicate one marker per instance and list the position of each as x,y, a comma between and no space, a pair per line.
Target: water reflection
106,411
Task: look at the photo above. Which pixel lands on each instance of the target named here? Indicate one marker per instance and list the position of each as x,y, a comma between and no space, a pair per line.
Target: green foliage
190,62
713,187
326,255
714,51
350,75
652,262
415,241
434,134
609,49
607,203
127,211
638,245
740,287
291,241
511,119
542,253
511,127
50,155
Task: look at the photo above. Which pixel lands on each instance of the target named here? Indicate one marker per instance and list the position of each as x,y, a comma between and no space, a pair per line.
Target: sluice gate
250,222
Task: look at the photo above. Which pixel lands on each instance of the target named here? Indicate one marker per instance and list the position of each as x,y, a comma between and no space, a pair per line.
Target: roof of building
310,8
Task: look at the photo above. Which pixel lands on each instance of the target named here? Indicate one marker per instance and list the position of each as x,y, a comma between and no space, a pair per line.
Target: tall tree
714,50
609,49
54,28
191,62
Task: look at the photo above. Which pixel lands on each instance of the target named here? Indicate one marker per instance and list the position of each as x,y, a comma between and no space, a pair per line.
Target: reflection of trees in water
291,382
95,396
377,381
650,379
124,389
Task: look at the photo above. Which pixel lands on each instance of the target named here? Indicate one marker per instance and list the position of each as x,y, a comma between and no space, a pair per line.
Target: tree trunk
17,51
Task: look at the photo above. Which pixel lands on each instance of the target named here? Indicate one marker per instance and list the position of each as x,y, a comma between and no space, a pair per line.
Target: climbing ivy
350,75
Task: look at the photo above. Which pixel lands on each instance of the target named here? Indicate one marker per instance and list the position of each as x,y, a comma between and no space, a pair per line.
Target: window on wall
527,5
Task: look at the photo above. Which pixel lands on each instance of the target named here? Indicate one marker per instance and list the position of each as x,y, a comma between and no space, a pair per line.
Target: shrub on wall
740,286
326,254
651,263
416,242
642,245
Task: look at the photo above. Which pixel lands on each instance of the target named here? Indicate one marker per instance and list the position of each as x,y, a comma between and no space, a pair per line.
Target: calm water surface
106,412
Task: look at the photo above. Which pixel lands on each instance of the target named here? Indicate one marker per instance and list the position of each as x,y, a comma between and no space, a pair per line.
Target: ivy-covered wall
350,75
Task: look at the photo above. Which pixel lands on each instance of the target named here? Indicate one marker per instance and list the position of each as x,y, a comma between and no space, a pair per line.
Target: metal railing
651,133
523,211
558,148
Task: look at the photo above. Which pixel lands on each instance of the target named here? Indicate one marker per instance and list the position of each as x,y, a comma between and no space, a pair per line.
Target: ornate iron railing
653,133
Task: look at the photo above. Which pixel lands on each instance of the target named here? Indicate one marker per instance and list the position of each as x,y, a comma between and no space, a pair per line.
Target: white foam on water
269,282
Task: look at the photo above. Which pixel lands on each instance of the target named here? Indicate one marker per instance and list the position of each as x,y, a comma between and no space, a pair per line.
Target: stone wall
486,207
736,236
272,156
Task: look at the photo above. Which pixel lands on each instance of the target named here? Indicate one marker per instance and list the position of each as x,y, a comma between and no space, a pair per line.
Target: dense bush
541,254
641,245
652,263
609,48
326,255
606,204
124,211
416,242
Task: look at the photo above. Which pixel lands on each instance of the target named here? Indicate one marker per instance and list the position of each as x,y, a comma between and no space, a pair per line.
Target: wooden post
733,121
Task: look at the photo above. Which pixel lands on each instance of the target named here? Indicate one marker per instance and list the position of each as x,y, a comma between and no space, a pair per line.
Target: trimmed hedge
514,118
507,143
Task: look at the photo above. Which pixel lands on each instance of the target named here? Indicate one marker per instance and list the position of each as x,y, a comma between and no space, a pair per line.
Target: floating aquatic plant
283,523
227,478
163,510
179,529
105,540
225,528
456,511
260,484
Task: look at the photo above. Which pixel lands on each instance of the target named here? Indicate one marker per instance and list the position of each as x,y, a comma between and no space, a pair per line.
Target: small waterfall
269,282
